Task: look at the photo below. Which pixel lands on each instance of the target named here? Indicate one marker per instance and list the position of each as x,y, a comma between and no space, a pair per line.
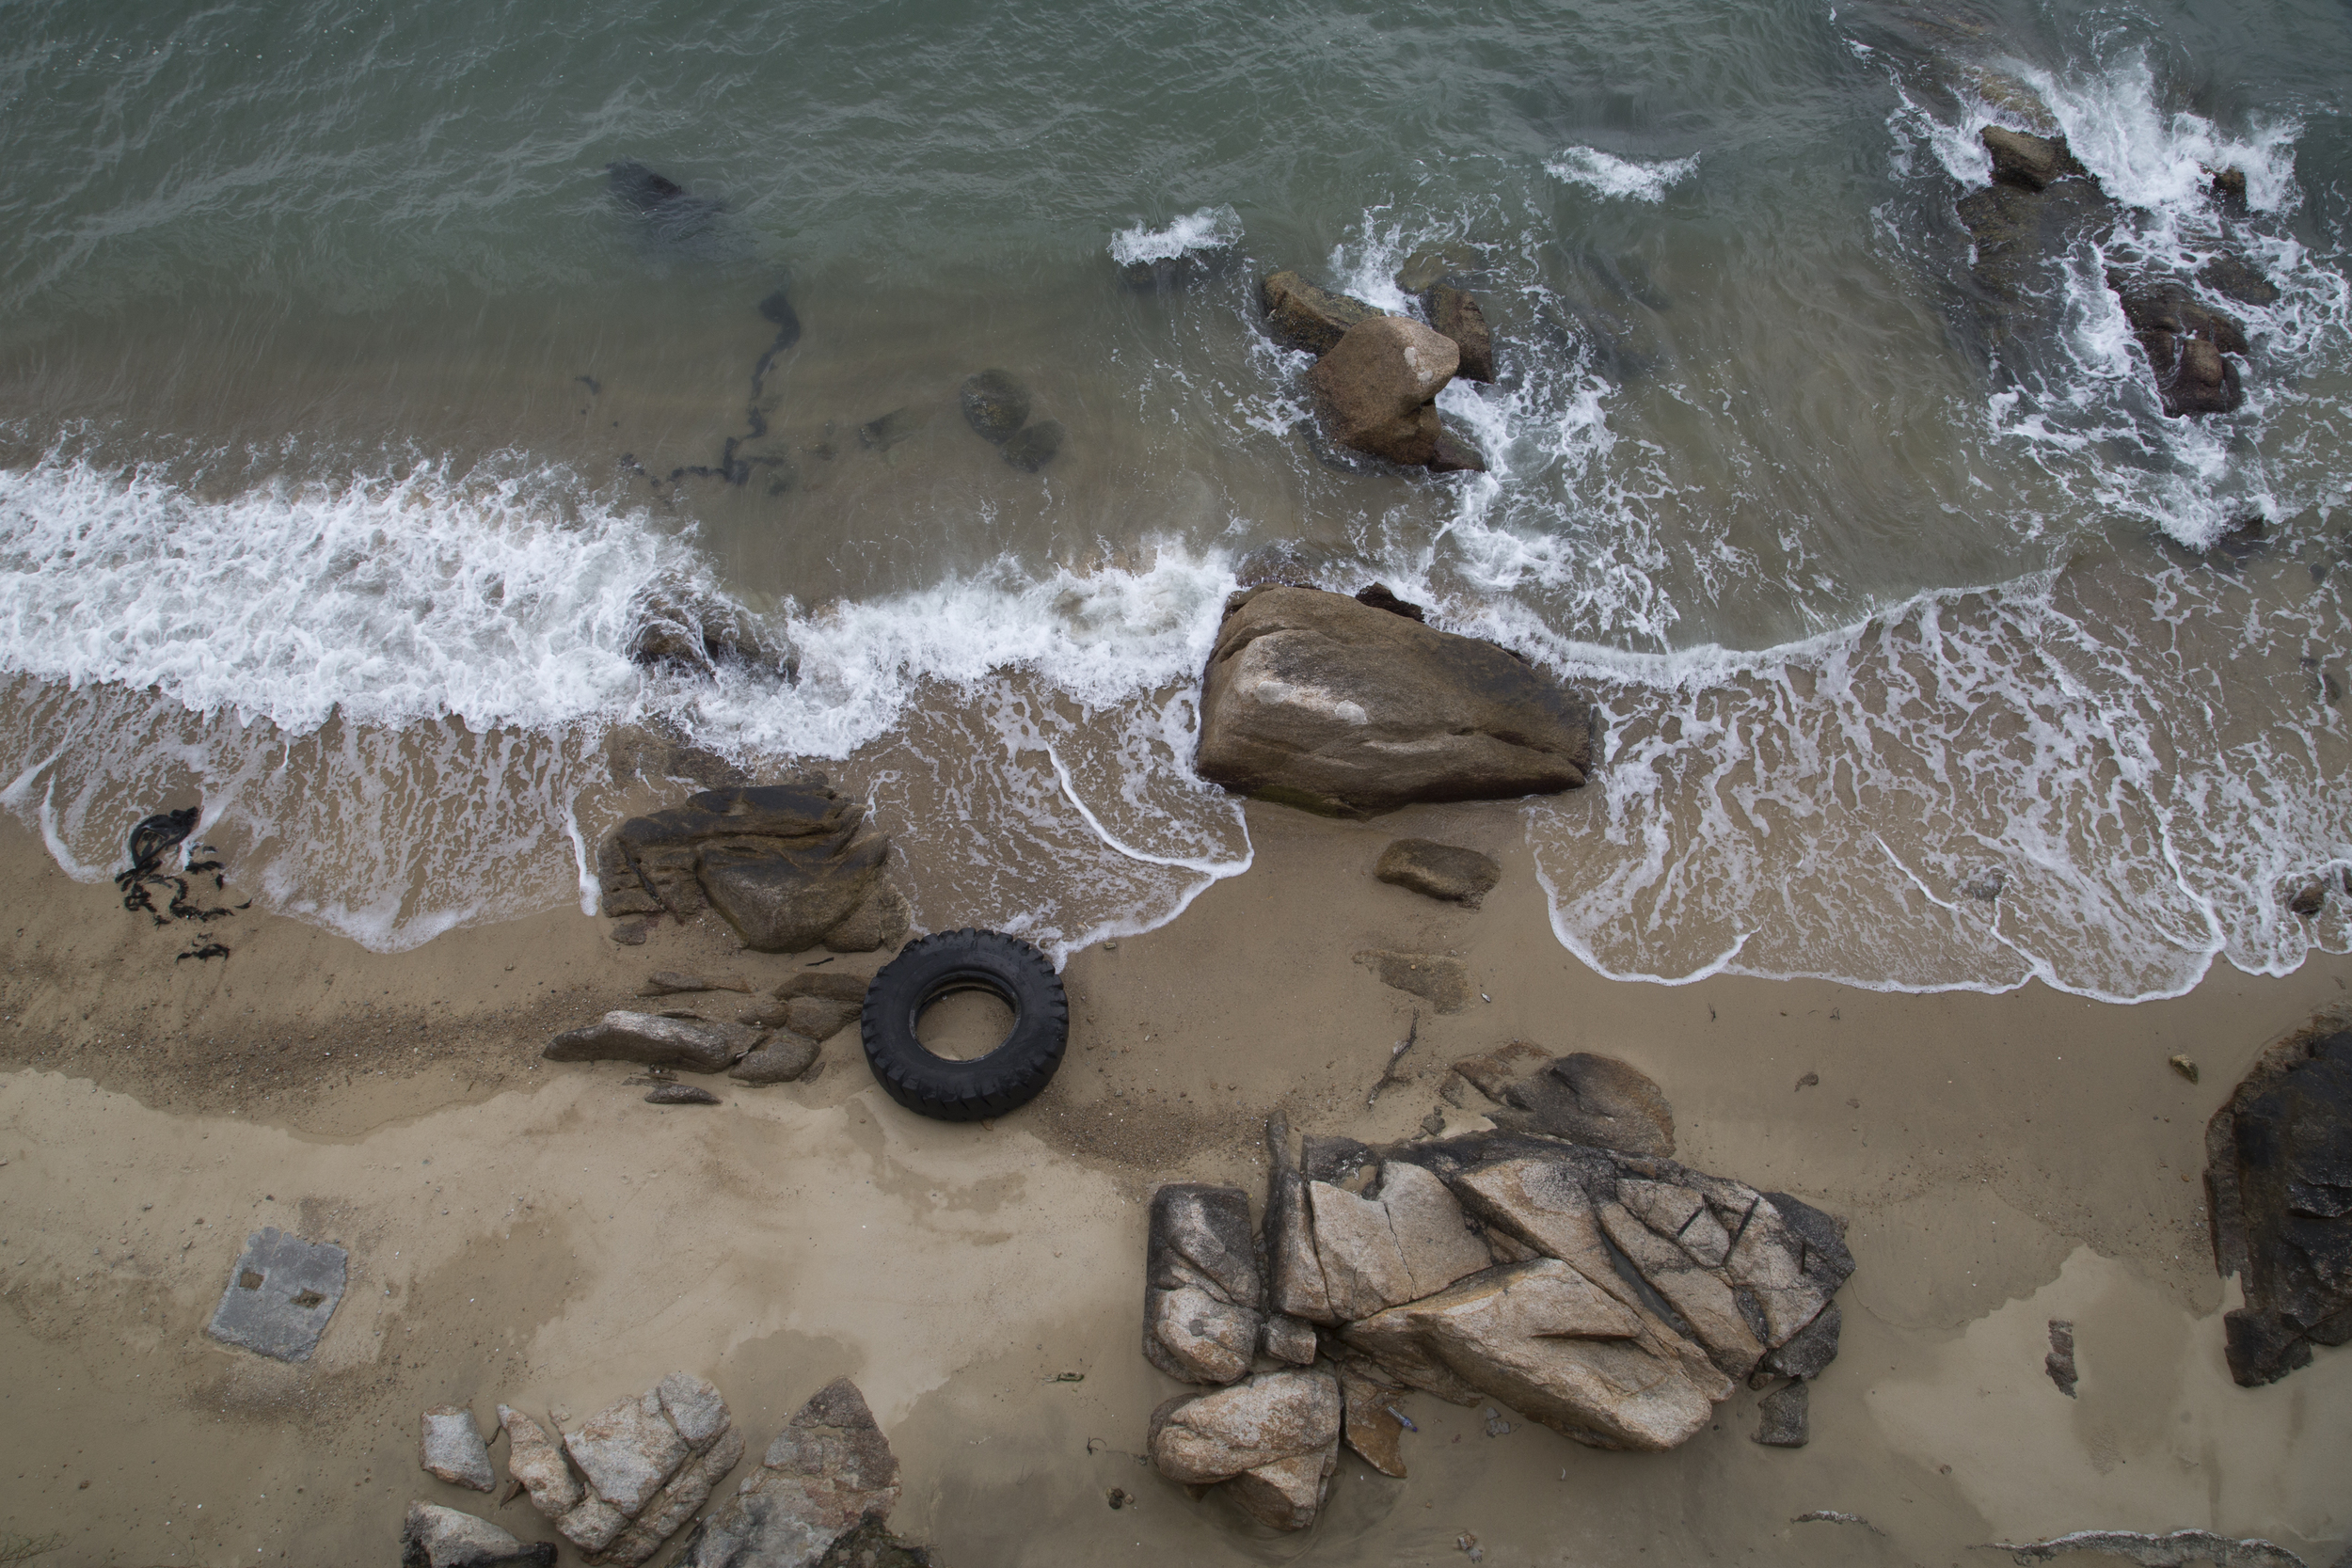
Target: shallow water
347,419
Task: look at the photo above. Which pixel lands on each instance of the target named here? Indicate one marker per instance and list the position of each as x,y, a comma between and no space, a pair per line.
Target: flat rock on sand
694,1045
1315,701
1445,871
1443,982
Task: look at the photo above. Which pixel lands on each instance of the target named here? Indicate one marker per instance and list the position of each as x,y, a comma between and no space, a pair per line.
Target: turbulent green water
338,388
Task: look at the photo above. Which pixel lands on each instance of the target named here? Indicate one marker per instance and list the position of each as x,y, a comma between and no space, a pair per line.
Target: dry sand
534,1233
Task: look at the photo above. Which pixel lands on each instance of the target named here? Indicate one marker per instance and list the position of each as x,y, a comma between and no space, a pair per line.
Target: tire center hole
964,1024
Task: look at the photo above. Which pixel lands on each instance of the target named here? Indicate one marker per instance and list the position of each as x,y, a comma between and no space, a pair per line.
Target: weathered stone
1456,315
783,1059
1809,1349
1287,1494
872,1545
1205,1438
664,850
1445,871
820,1018
680,1500
1593,1100
1781,1414
453,1450
2279,1190
532,1459
2059,1363
1302,316
1493,1073
1443,982
2179,1548
2234,276
1789,1273
1344,1162
281,1294
831,1465
594,1525
1034,446
1433,1234
432,1536
1409,1242
2031,162
995,403
1288,1339
757,1532
692,1045
672,982
680,1094
834,985
628,1451
1371,1428
1314,700
1376,387
693,1406
882,921
1544,1341
1701,1297
1294,1274
1203,1305
782,898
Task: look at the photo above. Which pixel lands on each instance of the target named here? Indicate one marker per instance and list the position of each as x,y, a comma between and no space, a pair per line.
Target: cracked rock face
829,1471
1275,1438
650,1463
1203,1305
435,1537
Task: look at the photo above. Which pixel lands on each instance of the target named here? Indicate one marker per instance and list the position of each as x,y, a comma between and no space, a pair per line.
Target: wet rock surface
1204,1302
789,867
829,1472
995,403
1314,700
2187,341
1455,315
1444,871
432,1536
1301,315
2279,1188
1376,389
692,1045
1581,1098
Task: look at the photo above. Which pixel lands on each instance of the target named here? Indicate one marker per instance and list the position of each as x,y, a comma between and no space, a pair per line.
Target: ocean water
352,420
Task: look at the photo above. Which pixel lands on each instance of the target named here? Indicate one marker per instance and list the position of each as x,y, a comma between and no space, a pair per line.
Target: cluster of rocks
687,631
1560,1266
790,867
996,405
1377,376
2041,201
635,1474
1321,700
2278,1191
771,1041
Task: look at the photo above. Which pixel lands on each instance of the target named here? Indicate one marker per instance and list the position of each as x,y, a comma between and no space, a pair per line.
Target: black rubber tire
1016,974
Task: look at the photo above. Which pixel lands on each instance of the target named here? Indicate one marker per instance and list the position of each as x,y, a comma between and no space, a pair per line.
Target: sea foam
1612,175
1205,228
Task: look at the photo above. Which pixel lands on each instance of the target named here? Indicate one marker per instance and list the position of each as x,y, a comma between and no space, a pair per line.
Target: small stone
654,1042
453,1450
784,1058
2184,1066
1434,1123
680,1094
669,982
1443,982
1782,1414
432,1536
2308,899
2059,1363
629,933
1495,1425
1443,871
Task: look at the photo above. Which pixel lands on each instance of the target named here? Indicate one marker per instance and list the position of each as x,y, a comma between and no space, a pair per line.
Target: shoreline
2000,1160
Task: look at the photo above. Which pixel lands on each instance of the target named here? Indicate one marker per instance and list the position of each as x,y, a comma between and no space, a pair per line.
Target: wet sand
533,1233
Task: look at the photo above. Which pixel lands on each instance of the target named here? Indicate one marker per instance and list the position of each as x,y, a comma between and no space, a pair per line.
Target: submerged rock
432,1536
888,430
2279,1184
2233,277
787,866
2184,341
1303,316
1204,1302
1314,700
995,403
1443,871
1034,446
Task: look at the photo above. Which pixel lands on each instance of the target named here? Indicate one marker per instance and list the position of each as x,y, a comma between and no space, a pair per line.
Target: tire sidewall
937,966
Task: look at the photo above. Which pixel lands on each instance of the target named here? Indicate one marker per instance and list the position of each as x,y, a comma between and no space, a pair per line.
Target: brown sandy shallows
535,1233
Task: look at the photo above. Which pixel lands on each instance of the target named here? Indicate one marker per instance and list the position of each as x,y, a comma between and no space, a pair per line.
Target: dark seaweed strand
737,470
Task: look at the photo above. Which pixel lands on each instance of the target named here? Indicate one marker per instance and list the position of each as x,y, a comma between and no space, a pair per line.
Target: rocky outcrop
1456,315
1204,1303
1614,1297
1302,316
453,1450
687,632
2039,204
2033,163
2279,1189
693,1045
1376,389
787,866
1314,700
2187,344
1444,871
649,1463
435,1537
829,1471
1271,1443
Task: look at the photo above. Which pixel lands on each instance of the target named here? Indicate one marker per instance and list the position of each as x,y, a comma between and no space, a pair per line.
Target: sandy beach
533,1232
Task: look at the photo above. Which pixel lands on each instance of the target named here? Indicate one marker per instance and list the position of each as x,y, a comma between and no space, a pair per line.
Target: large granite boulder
1376,389
829,1471
1314,700
2279,1188
1272,1442
787,866
1204,1301
1305,317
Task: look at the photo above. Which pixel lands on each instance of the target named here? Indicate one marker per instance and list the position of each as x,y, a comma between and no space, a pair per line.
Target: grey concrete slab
281,1294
